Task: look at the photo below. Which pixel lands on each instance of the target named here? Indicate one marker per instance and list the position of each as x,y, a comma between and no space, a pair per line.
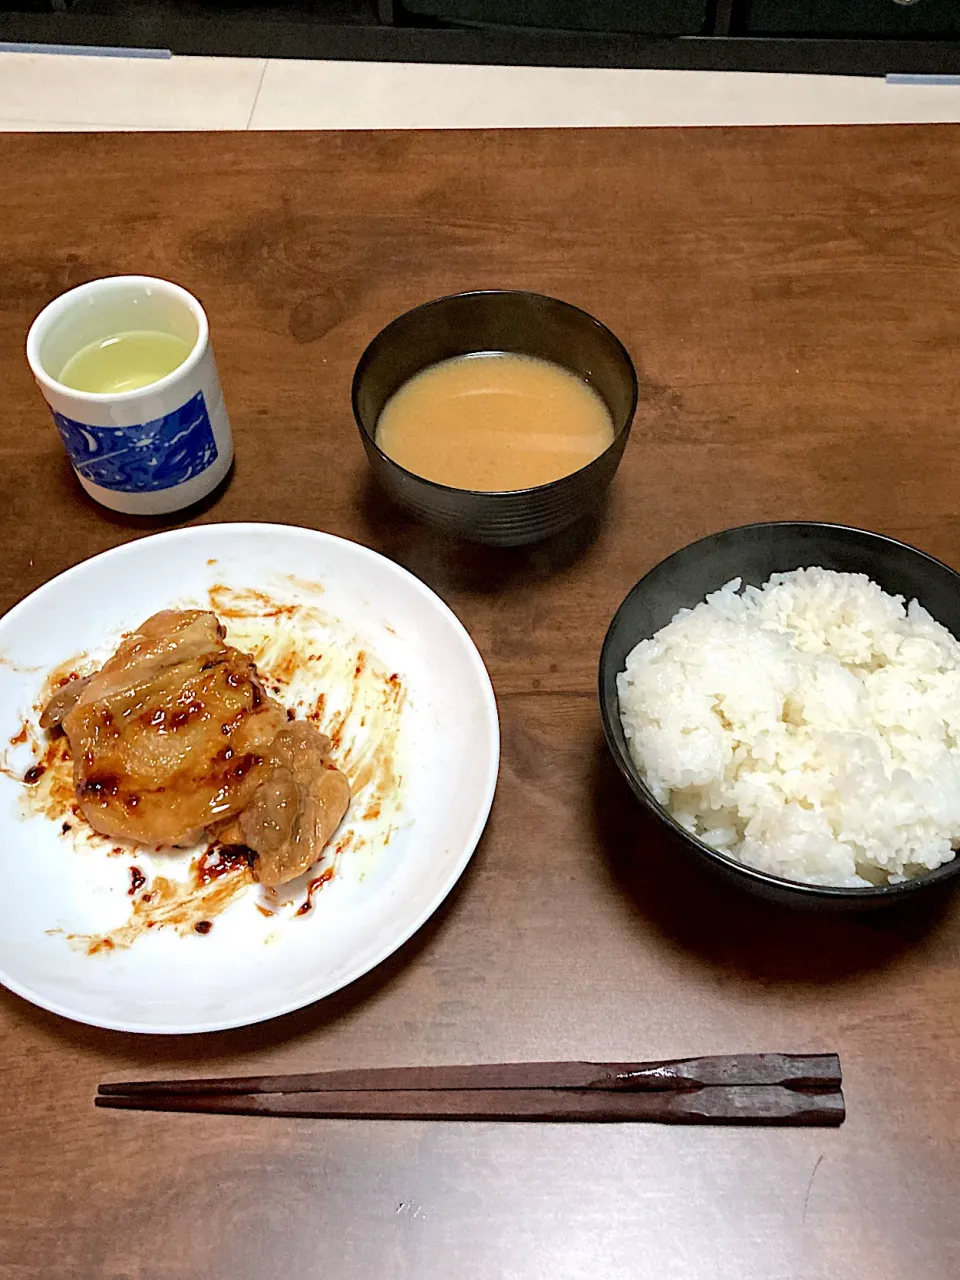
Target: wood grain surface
792,301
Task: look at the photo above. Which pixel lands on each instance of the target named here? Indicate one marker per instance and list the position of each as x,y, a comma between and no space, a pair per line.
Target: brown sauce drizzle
99,785
221,860
249,603
314,887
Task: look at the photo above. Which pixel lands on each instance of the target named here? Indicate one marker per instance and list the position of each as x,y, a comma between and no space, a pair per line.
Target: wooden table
792,300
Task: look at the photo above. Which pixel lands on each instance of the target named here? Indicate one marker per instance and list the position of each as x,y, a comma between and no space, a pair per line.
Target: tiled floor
54,92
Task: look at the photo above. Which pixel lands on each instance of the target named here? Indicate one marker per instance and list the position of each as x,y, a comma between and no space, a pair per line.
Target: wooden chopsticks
755,1088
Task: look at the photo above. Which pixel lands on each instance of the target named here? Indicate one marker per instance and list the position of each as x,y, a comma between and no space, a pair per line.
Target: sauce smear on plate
494,421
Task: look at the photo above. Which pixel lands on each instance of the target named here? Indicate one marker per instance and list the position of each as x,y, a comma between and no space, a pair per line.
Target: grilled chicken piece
171,734
297,806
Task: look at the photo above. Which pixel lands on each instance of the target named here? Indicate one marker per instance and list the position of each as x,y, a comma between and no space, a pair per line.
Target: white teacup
148,451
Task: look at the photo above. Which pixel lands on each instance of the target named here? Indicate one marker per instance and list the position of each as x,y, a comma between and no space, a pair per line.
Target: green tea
124,362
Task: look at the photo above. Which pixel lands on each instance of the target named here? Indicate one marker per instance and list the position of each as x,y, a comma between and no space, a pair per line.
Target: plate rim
492,769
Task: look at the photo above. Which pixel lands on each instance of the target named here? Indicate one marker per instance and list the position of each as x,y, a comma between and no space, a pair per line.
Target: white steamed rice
810,728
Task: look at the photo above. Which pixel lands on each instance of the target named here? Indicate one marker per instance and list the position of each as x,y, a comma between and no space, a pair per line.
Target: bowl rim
782,884
619,438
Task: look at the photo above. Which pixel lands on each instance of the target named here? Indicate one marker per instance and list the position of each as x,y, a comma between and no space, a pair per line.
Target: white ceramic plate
248,967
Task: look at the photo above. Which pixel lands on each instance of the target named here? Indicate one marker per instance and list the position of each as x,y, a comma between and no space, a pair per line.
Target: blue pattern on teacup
141,459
